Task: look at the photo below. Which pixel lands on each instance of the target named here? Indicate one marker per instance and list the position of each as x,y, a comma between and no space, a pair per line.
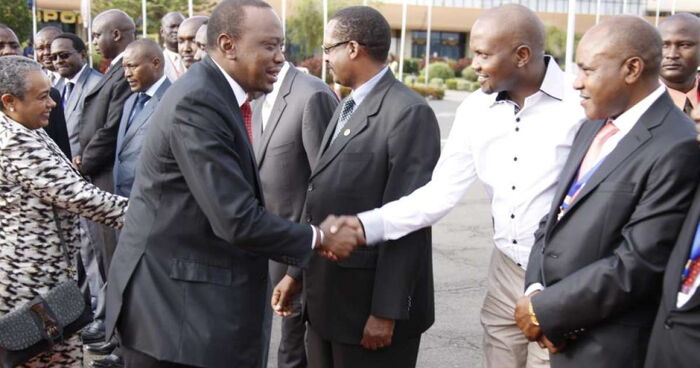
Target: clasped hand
342,234
532,332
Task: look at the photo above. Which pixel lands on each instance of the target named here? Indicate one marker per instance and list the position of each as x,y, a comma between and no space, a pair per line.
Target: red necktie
247,117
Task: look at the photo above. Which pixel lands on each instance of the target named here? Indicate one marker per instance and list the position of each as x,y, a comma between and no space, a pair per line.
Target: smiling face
42,47
66,60
34,108
600,79
186,45
258,51
494,59
681,52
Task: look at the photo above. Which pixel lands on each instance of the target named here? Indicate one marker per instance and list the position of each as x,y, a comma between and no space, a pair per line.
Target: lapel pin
346,132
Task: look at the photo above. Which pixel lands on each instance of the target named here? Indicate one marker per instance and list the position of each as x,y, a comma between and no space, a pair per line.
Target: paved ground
461,250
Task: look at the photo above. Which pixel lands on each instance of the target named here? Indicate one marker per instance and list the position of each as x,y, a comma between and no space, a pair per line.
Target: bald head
514,24
508,46
201,40
168,29
42,45
112,31
618,63
9,44
186,44
143,64
624,36
680,34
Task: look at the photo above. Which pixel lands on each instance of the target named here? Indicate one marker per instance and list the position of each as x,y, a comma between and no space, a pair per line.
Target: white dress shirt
270,98
116,59
151,91
517,153
173,64
241,97
625,122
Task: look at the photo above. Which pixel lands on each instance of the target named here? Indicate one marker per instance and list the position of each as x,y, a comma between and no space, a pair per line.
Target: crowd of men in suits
233,158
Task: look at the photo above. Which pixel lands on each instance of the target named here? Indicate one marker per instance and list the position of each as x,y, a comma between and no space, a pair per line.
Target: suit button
668,324
310,188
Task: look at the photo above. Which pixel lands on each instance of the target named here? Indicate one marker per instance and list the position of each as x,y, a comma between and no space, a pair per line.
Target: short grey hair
13,73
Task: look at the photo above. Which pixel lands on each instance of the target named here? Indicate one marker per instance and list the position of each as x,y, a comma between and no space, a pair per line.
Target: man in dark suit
188,282
674,340
288,125
382,143
681,58
112,31
628,182
69,55
144,70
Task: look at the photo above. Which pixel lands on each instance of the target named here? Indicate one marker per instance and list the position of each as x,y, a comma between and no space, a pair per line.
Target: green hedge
440,70
469,74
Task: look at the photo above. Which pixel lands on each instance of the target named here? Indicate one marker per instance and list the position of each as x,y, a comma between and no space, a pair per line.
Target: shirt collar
151,91
77,75
116,59
627,119
171,54
679,97
272,96
238,91
359,94
552,85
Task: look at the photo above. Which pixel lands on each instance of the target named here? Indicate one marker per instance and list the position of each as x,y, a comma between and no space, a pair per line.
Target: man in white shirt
169,25
513,135
600,253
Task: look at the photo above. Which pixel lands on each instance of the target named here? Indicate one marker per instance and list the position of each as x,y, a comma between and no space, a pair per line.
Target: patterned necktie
692,267
590,162
141,100
348,108
247,119
688,107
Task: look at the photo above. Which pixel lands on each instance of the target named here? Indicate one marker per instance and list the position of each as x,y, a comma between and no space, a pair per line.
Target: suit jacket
129,143
188,281
99,123
57,124
387,149
674,339
289,146
602,262
74,106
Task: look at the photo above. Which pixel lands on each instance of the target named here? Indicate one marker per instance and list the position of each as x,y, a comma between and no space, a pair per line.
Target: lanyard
577,186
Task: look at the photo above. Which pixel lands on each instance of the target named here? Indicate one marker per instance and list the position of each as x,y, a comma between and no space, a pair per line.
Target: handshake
339,236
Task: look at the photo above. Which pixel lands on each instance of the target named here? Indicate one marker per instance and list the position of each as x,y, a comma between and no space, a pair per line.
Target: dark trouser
136,359
327,354
291,352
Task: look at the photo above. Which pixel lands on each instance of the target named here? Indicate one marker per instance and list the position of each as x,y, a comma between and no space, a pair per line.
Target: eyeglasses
61,55
327,49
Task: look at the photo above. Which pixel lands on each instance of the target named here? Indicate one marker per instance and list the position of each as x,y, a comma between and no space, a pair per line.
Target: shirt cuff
313,238
373,224
533,287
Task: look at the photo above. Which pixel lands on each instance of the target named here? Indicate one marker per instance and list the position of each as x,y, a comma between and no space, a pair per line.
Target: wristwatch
533,317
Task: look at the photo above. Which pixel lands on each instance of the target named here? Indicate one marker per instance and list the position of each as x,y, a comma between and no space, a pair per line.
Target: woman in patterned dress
35,177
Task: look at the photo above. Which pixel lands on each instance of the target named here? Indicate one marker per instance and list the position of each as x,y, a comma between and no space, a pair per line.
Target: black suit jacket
602,263
675,339
387,149
99,124
188,281
57,129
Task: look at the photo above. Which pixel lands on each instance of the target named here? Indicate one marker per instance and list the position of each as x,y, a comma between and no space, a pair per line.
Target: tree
305,27
18,16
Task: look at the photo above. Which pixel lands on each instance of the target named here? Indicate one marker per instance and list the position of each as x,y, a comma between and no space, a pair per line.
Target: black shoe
93,333
102,348
110,361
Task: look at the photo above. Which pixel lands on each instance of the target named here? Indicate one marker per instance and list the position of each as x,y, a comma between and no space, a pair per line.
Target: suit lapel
677,261
256,121
128,108
276,114
357,123
145,114
115,69
76,92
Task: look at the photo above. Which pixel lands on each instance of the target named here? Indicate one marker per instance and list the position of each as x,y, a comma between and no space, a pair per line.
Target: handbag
46,320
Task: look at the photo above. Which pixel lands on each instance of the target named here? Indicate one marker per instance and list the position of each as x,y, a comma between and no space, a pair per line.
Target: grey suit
74,106
188,283
602,262
129,143
286,151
